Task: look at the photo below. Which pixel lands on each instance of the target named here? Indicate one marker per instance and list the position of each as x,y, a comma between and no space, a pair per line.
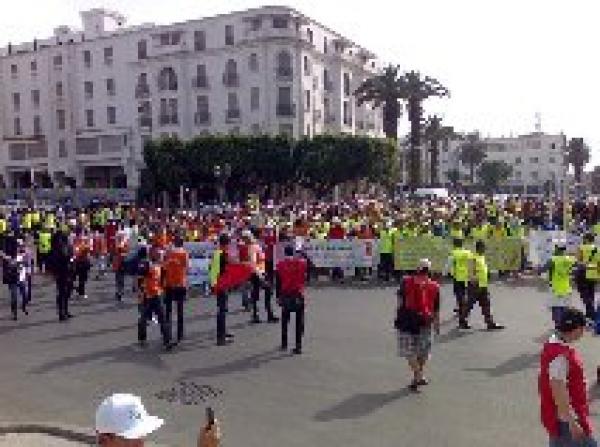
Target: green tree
435,134
454,176
578,155
384,90
415,89
493,174
472,153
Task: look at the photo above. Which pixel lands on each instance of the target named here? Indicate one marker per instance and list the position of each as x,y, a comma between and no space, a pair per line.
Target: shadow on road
360,405
235,366
511,366
451,335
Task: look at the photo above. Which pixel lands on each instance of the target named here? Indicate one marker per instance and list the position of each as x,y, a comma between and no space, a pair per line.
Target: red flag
234,276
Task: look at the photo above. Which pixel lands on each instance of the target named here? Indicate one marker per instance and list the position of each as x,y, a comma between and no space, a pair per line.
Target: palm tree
415,89
472,153
454,176
384,90
434,134
578,155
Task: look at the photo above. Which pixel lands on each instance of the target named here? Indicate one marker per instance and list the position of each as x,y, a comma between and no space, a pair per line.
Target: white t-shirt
559,367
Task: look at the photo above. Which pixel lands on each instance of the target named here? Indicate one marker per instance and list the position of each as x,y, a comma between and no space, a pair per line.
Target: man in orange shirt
81,252
151,292
175,268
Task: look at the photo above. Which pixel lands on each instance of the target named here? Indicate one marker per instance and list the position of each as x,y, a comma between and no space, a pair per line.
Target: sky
503,61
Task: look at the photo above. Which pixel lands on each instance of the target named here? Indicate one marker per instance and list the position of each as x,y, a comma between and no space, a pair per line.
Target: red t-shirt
292,275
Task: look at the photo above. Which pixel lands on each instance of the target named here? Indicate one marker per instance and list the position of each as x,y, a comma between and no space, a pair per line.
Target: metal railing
232,115
200,82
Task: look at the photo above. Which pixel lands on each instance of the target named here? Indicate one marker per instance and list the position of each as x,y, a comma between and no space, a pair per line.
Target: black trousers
386,266
222,299
481,296
149,307
587,292
460,293
292,305
257,284
64,287
175,295
82,269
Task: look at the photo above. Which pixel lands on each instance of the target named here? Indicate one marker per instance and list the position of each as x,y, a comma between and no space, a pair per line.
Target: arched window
167,79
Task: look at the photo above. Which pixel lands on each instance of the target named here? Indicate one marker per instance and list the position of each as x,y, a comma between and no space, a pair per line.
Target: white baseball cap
124,415
424,264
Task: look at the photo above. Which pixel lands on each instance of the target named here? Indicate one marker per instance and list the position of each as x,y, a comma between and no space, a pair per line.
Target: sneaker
169,346
464,326
423,382
224,342
229,336
414,387
255,320
495,327
297,351
273,319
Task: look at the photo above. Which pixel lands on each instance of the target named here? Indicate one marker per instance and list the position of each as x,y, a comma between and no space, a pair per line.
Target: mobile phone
210,416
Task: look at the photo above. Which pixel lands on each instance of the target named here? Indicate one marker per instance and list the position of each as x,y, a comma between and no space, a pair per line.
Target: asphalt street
347,389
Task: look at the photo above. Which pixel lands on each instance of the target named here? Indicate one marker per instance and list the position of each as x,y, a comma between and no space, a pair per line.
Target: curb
69,434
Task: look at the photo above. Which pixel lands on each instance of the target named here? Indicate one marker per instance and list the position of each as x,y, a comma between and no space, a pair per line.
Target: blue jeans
566,440
15,289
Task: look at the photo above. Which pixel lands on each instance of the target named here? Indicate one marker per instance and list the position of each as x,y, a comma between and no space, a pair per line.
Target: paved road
348,389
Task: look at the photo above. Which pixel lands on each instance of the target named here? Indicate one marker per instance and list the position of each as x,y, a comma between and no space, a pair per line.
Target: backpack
416,311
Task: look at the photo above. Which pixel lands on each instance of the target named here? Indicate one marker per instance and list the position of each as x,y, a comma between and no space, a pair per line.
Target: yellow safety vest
3,226
214,269
561,275
44,242
481,270
459,267
386,241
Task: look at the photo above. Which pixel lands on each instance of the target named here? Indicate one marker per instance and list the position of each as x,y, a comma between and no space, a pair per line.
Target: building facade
537,159
78,107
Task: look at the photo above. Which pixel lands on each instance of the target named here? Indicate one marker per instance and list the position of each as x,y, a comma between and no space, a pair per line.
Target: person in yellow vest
560,268
456,231
386,252
3,230
459,271
478,291
43,249
588,258
26,221
218,263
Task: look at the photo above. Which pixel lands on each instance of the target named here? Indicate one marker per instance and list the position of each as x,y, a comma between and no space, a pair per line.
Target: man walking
176,268
291,279
459,270
560,268
562,385
63,270
217,266
418,313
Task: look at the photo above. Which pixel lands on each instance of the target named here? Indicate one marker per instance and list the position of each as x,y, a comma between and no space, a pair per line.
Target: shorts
419,345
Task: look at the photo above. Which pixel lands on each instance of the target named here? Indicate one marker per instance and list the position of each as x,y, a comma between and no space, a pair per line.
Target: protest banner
345,254
200,256
542,244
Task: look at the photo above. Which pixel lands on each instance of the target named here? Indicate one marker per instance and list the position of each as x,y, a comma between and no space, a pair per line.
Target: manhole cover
189,393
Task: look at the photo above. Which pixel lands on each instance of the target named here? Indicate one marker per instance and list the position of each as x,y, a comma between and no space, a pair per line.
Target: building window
169,111
57,61
325,45
17,126
88,89
280,22
347,84
59,89
255,24
229,36
62,149
89,118
534,160
37,125
111,115
202,110
306,65
16,102
111,88
199,40
310,35
87,59
34,65
167,79
14,70
35,98
61,119
108,55
170,38
253,62
254,98
552,160
518,160
327,85
230,77
201,80
553,146
347,114
142,49
535,175
518,175
307,100
284,65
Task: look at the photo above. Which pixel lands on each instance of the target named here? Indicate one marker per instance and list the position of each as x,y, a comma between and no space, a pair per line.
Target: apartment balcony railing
328,85
284,73
202,118
200,82
286,109
231,79
232,115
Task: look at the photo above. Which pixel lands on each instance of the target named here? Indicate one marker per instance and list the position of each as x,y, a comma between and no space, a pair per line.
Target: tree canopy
494,173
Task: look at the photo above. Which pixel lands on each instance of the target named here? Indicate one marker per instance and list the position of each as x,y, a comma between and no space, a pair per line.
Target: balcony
145,122
286,110
232,116
285,74
200,82
142,91
203,118
231,79
168,120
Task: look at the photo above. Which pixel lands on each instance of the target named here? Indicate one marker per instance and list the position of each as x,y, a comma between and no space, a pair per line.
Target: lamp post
222,175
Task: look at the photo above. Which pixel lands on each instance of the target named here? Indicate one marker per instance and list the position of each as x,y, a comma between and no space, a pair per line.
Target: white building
81,104
535,158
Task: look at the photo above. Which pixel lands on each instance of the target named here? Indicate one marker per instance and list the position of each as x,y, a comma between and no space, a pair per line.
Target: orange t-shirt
152,282
176,266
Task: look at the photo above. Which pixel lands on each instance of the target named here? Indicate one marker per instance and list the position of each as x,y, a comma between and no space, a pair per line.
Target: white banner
346,254
542,244
200,256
